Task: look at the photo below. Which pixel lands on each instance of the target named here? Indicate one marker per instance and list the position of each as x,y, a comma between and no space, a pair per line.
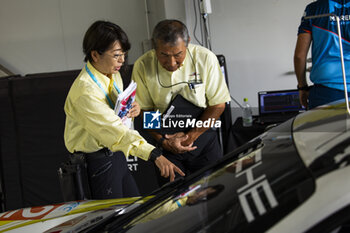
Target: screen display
275,102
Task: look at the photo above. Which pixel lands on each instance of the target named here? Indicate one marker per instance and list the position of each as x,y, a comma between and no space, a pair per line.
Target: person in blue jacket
321,33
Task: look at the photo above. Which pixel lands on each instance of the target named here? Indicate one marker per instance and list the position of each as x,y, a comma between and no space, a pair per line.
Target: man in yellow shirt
94,129
176,67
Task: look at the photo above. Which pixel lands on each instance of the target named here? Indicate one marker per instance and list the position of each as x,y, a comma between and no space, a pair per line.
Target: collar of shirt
110,85
180,75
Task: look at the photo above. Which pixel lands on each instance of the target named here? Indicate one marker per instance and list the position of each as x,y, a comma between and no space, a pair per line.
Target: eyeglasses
118,56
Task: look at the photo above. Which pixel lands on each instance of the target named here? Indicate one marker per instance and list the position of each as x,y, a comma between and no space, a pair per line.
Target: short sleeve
216,88
143,96
305,24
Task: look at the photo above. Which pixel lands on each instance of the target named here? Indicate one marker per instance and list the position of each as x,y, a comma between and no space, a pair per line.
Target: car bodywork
292,178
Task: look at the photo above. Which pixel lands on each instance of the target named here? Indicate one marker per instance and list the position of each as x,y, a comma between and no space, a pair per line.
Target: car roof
322,137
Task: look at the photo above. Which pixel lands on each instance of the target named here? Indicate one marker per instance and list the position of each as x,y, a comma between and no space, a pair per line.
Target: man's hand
190,139
303,96
134,111
211,112
173,143
167,168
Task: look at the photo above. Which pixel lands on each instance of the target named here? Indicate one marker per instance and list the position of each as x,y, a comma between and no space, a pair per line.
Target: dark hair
100,37
217,190
169,31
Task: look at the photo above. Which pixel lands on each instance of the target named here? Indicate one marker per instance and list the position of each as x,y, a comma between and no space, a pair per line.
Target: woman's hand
167,168
134,111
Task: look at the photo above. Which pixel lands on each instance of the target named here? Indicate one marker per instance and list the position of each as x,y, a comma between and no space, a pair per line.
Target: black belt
320,85
103,153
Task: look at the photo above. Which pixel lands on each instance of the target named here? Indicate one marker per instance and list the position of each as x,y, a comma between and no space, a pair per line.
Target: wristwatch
155,153
160,142
303,88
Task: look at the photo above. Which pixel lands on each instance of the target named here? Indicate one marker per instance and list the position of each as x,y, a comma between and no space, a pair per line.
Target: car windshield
266,182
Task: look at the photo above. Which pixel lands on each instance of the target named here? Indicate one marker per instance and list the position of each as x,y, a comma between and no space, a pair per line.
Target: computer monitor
278,106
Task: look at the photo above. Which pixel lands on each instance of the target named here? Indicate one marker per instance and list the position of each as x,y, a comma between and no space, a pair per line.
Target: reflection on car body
292,178
258,191
273,176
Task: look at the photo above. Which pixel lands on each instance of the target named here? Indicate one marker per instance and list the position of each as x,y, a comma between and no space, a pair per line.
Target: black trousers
208,152
320,95
109,176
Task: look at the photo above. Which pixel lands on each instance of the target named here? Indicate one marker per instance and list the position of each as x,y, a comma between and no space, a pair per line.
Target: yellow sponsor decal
18,218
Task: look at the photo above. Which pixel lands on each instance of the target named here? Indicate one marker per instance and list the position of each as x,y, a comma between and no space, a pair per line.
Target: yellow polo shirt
150,76
91,123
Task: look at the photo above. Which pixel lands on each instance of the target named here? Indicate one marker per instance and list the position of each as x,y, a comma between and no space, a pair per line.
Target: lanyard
115,86
100,86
